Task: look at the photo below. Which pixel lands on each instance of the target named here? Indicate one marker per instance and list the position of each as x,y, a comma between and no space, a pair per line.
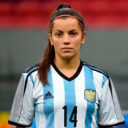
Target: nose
66,39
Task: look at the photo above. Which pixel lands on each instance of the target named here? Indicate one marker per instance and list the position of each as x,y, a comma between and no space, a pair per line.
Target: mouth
66,49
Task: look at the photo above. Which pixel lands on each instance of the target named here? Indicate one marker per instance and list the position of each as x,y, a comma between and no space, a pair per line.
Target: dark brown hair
49,53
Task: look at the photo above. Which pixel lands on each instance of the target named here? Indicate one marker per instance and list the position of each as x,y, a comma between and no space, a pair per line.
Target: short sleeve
23,107
109,113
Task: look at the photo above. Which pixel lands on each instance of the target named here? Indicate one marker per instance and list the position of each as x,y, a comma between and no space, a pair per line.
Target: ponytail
49,55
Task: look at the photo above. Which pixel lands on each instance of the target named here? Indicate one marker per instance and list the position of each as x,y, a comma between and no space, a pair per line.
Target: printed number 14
73,117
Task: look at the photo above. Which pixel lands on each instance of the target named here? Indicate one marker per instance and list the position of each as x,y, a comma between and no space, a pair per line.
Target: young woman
63,91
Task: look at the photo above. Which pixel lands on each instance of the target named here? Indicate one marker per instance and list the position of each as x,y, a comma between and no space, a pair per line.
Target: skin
67,38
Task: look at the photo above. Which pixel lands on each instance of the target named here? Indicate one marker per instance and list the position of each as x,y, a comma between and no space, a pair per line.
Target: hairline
65,17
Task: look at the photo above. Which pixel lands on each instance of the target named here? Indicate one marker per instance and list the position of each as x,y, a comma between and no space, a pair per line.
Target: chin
68,57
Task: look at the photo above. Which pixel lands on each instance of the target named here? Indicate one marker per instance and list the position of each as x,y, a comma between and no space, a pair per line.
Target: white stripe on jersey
39,113
107,116
27,104
80,101
97,79
59,99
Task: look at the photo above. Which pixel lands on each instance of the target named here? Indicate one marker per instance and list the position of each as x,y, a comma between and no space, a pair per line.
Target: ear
50,38
83,38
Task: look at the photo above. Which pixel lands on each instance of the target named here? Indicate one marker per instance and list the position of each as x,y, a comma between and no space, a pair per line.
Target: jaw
68,56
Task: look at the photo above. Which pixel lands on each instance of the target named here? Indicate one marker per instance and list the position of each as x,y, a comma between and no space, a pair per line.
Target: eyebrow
69,31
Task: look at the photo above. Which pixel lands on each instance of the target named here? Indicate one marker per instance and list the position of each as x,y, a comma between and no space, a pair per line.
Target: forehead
67,23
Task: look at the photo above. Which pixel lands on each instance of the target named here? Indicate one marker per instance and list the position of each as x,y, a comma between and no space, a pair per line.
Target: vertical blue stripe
90,106
104,80
70,100
48,104
36,116
32,79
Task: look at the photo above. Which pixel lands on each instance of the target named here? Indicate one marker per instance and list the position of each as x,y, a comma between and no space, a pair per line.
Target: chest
54,97
66,103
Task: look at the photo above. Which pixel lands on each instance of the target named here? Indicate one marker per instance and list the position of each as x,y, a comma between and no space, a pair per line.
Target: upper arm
109,113
23,107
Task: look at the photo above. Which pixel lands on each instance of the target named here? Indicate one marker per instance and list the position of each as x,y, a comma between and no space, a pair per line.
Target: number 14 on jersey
73,116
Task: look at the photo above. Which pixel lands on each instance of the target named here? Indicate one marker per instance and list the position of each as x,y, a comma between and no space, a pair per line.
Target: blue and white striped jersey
86,100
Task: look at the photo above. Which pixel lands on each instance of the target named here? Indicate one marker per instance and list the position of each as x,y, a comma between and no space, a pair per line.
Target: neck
69,64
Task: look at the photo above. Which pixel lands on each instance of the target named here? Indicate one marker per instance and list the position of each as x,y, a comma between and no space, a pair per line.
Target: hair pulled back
49,53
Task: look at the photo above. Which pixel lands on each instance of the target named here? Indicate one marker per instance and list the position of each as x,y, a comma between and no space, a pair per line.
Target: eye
73,33
58,34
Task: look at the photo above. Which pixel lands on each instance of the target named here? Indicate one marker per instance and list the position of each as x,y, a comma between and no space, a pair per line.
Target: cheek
78,42
53,41
56,43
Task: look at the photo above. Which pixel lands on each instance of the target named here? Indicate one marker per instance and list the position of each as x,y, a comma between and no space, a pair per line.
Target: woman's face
67,38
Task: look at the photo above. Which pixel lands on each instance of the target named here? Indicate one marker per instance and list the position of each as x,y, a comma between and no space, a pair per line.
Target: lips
66,48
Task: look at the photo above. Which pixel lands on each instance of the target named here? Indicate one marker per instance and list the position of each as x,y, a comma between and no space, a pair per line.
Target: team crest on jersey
90,95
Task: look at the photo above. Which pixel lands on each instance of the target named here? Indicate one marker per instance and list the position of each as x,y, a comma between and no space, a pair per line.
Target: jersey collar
64,76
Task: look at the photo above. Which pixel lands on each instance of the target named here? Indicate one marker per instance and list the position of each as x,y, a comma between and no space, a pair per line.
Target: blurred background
23,37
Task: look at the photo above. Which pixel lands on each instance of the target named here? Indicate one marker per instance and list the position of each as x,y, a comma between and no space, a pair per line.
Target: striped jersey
85,100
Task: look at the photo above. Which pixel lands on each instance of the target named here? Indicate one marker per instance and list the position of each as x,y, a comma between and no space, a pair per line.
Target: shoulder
27,78
96,71
99,76
31,72
31,69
